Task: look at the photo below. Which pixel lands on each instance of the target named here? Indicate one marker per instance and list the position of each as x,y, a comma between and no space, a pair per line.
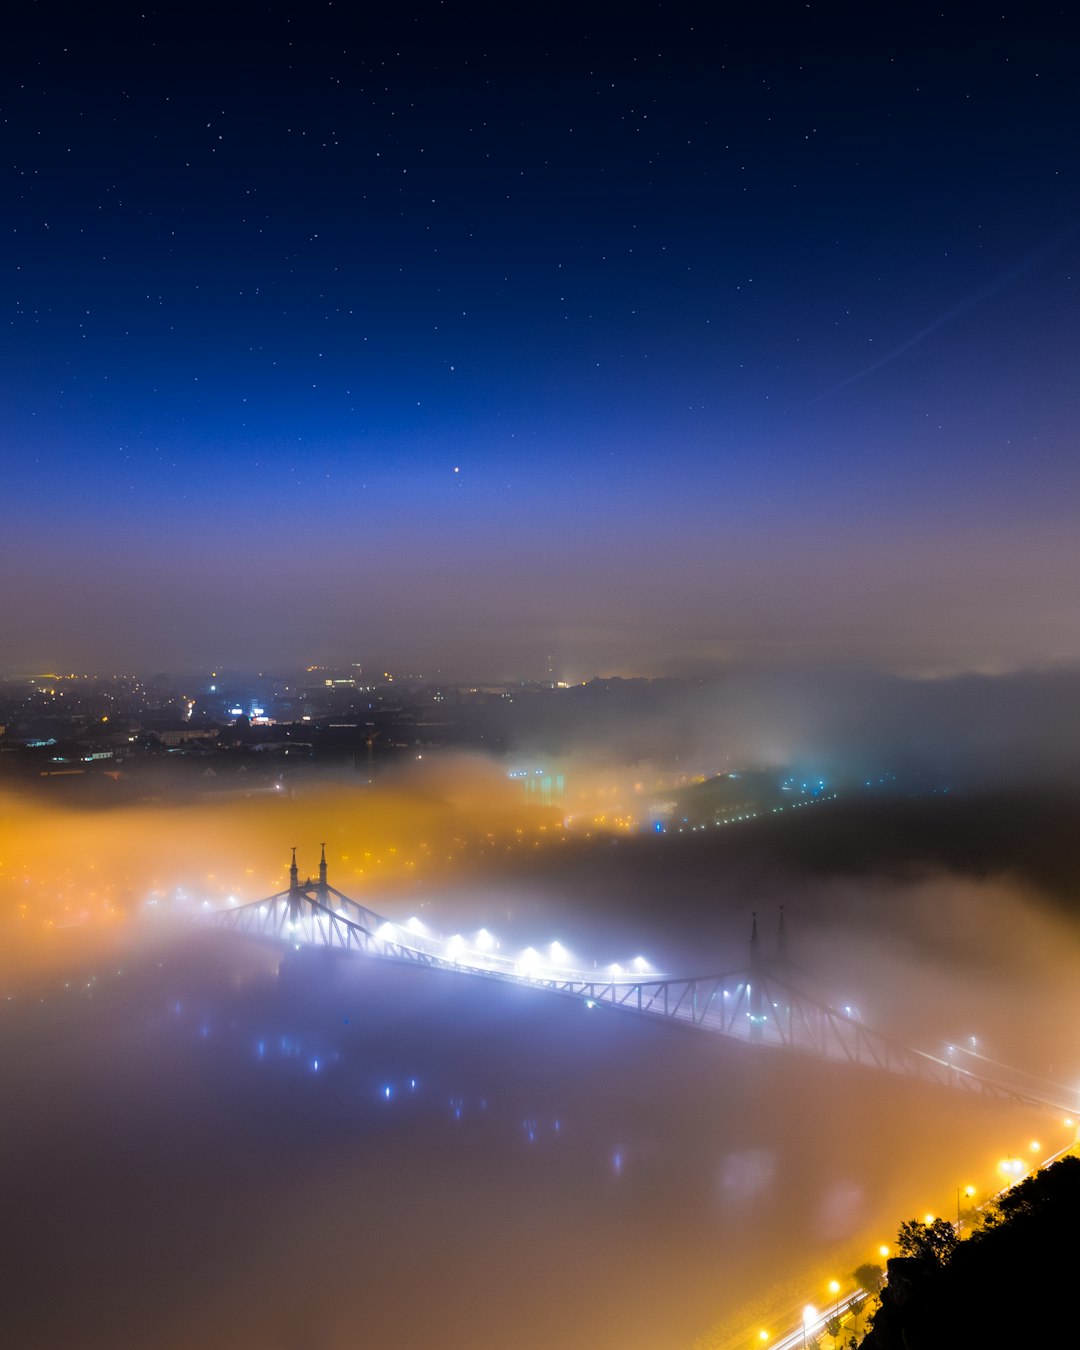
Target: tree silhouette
936,1241
870,1278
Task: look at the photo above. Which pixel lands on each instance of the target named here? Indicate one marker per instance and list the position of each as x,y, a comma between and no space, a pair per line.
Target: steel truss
758,1006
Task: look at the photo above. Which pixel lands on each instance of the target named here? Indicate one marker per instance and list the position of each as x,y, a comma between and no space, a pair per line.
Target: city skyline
710,341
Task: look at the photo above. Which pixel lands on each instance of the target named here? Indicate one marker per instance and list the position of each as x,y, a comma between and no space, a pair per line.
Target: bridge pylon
755,984
324,890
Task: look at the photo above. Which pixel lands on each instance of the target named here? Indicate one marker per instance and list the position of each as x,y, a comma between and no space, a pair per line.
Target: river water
209,1145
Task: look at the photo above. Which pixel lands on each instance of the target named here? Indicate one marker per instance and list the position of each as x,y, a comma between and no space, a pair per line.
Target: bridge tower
756,1000
294,890
323,892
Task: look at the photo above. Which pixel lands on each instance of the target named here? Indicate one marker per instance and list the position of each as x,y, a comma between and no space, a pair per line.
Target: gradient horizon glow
455,342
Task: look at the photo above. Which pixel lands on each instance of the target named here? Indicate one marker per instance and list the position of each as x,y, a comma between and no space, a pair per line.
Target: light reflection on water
348,1153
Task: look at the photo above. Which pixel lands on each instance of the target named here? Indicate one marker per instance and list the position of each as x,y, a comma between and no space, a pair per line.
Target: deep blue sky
452,339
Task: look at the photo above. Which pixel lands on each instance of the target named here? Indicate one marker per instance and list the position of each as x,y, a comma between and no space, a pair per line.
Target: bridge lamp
558,951
640,964
387,932
528,961
415,926
615,969
484,940
763,1336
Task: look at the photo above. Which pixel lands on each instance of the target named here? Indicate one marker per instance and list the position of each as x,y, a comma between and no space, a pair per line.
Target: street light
834,1289
809,1315
1013,1168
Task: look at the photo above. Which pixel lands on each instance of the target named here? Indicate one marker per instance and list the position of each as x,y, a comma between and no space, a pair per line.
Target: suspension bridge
759,1004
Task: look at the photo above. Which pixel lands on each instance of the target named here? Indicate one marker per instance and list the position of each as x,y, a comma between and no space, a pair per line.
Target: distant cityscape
111,738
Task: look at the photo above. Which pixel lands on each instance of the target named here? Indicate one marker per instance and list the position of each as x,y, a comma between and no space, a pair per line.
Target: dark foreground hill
997,1283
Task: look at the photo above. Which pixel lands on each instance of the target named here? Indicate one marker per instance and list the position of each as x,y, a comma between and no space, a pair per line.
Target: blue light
387,1092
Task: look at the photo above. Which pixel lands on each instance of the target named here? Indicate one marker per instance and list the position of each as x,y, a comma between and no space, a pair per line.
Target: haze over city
540,673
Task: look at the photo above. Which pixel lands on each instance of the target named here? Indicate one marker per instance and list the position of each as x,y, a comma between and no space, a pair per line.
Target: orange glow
77,872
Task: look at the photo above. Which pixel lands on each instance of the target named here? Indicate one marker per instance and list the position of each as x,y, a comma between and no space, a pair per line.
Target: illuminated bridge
759,1004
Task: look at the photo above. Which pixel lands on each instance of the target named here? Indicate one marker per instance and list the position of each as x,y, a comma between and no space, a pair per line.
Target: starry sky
458,338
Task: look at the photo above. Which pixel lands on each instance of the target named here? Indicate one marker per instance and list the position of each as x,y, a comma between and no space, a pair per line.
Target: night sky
454,338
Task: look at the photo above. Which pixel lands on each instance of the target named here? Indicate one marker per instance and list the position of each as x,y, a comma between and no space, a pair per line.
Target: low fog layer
962,731
552,1174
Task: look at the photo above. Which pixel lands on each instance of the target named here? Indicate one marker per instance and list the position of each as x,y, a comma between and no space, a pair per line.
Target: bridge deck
758,1005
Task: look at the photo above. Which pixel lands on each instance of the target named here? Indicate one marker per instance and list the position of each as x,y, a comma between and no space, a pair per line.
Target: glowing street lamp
834,1289
809,1317
1013,1168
